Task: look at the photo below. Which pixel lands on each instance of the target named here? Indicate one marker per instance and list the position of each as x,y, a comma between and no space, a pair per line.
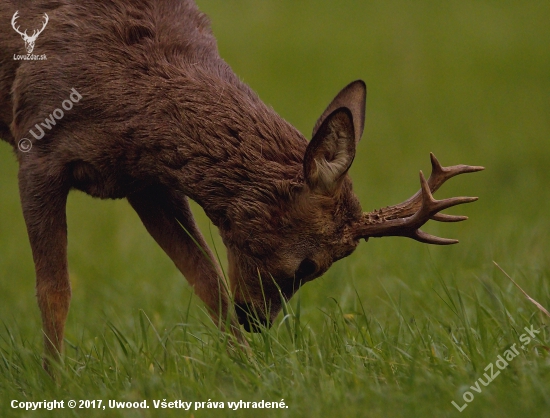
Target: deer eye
307,268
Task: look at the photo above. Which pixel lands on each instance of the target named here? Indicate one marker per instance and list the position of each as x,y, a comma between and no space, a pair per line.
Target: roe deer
162,118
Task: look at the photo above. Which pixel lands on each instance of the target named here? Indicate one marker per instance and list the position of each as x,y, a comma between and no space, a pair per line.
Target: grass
396,329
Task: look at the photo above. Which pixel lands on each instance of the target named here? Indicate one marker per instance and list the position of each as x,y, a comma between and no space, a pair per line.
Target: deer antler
406,218
13,19
37,32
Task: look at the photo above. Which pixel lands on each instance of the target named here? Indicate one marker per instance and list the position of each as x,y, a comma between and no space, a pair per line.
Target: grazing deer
161,119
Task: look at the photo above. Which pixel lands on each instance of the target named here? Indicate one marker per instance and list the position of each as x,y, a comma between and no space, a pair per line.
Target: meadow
399,328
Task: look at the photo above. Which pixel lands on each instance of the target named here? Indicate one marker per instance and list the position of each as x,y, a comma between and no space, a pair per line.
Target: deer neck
231,149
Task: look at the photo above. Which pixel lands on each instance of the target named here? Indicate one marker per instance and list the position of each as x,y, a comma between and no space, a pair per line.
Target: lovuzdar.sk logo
29,39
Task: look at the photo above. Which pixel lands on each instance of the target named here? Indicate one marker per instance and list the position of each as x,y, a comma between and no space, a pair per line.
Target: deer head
29,40
319,220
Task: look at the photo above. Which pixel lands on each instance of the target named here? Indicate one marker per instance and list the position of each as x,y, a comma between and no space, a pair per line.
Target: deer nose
251,319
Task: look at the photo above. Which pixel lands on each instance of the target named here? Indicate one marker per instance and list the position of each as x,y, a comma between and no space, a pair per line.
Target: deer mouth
250,318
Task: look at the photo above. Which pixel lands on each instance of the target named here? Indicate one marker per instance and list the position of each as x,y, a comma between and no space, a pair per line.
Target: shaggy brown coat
163,118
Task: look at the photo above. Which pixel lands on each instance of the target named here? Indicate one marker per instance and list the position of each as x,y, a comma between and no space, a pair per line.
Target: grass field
396,329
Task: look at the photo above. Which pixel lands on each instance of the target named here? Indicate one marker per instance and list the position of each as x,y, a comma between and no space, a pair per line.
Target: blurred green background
467,80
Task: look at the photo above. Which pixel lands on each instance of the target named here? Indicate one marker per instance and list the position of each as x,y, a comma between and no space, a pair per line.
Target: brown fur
163,118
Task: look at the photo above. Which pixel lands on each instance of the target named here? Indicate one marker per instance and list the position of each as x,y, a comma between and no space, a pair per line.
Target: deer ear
330,153
353,97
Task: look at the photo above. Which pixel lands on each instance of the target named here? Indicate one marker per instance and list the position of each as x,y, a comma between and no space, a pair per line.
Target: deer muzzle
250,318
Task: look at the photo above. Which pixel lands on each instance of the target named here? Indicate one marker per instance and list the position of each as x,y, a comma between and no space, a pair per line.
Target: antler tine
442,217
421,236
441,174
46,20
429,204
37,32
14,18
13,23
429,209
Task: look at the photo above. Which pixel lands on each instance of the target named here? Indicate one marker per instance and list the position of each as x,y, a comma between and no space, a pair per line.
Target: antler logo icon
29,40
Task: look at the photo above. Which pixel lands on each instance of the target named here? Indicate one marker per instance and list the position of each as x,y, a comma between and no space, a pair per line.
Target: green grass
396,329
